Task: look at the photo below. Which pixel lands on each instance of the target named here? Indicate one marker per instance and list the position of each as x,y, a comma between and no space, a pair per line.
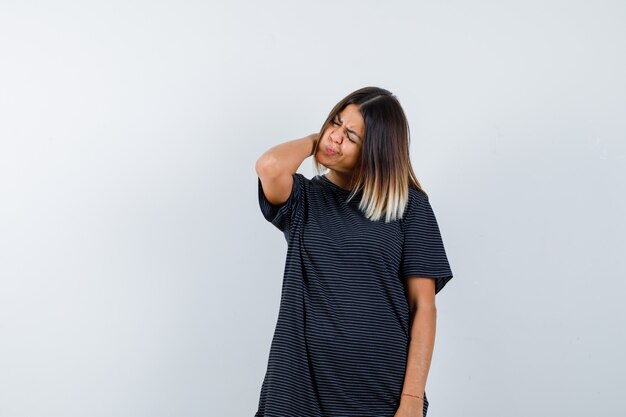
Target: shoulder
302,187
416,199
416,204
417,195
301,182
300,177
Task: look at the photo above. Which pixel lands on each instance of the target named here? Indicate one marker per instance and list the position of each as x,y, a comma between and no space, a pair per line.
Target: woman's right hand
314,137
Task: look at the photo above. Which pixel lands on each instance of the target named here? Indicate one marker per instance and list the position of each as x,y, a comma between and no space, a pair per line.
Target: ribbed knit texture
341,340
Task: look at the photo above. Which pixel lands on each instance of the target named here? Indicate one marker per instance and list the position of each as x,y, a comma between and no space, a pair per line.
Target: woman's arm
421,299
275,168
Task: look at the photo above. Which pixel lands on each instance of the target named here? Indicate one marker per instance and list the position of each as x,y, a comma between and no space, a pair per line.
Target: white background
138,276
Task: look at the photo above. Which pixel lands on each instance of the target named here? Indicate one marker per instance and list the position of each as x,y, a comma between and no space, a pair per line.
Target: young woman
365,258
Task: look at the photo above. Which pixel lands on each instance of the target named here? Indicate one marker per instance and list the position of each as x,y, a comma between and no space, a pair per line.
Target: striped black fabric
341,340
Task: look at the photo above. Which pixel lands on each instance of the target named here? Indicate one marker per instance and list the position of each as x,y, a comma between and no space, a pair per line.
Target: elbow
266,165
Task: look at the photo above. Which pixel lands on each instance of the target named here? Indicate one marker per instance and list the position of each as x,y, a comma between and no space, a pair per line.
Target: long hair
383,170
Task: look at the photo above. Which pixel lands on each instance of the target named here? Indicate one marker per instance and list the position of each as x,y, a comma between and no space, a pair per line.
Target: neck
343,180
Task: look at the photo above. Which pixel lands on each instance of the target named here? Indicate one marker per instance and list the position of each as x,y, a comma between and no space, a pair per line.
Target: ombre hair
383,170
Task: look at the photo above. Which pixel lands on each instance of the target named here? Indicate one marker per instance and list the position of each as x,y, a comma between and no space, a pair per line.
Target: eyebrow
349,130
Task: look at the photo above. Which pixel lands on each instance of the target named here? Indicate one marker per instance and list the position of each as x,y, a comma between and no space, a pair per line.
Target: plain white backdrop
138,276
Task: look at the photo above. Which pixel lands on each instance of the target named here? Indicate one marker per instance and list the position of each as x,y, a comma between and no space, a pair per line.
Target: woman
356,325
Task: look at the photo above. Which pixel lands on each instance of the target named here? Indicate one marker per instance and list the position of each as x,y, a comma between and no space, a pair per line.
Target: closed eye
339,124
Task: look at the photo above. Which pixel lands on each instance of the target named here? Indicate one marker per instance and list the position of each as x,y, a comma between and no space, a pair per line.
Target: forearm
288,156
422,332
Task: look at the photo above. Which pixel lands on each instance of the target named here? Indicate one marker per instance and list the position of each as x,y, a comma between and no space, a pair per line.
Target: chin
321,158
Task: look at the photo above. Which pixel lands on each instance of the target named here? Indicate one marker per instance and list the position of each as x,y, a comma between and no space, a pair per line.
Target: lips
330,151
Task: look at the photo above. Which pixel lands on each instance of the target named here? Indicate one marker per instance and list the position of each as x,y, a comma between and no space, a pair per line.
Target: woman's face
340,144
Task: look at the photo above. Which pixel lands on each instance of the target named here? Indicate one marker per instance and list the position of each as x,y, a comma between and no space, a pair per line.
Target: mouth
330,151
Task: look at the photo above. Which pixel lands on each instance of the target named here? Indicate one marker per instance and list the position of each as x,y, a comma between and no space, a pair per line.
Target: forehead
352,117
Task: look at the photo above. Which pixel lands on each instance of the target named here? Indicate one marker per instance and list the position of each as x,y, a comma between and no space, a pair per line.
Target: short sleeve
283,215
423,252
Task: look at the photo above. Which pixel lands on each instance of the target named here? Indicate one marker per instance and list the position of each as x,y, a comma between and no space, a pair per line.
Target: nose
337,135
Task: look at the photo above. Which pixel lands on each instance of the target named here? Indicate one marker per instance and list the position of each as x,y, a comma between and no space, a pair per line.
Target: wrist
406,396
411,406
411,403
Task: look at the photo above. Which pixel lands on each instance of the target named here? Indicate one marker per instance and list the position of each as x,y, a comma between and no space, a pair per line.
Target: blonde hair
383,171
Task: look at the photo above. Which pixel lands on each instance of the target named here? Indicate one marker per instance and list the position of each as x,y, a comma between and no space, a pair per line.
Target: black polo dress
341,339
